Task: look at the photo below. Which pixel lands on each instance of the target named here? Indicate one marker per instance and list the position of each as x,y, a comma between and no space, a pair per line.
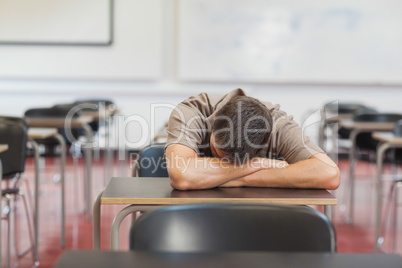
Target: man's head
241,129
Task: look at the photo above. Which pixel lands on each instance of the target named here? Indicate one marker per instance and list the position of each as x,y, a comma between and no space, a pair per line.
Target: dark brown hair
241,128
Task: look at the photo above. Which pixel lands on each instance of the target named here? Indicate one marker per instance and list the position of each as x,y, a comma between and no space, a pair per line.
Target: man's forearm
205,172
311,173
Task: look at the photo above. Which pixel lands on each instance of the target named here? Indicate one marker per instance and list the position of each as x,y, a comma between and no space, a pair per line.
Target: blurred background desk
387,141
356,128
35,134
81,122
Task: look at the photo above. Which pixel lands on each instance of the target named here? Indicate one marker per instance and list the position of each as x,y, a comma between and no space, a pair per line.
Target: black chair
102,107
151,162
232,227
364,140
13,132
54,112
344,133
341,108
106,103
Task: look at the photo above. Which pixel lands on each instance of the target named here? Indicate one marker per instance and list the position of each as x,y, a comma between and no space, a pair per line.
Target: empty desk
141,194
387,141
356,128
81,123
39,134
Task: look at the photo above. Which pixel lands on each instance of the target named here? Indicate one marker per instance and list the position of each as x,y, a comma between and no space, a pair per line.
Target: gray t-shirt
191,122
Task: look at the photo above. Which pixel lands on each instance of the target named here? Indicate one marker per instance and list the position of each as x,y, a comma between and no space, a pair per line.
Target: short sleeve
187,127
289,141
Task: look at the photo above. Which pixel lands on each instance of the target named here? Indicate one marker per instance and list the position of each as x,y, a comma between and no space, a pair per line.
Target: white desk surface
41,133
3,147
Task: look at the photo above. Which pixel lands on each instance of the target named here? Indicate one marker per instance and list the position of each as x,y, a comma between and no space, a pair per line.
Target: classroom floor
350,238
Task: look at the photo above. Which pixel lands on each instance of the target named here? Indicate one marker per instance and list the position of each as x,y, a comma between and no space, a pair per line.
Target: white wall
134,94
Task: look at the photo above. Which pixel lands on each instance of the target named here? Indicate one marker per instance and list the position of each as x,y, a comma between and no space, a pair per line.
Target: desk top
3,147
369,126
99,114
240,259
387,137
41,133
334,118
157,191
58,121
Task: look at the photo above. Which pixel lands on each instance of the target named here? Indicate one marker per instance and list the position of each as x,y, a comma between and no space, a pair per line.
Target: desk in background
141,194
3,148
81,123
240,259
39,134
387,141
356,128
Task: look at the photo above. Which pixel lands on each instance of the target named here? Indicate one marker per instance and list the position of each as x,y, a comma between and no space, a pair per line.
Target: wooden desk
140,194
387,141
240,259
81,123
356,128
39,134
3,148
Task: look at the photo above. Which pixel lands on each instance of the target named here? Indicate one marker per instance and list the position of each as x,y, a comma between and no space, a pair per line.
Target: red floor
351,238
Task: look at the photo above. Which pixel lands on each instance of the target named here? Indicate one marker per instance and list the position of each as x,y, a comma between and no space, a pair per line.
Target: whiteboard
136,52
58,22
291,41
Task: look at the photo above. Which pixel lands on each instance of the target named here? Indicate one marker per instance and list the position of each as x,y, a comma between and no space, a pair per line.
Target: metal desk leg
334,151
62,143
352,161
36,214
321,131
380,153
328,211
109,153
1,178
96,233
88,166
114,233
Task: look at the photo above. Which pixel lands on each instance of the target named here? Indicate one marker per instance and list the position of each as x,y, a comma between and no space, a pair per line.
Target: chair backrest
13,132
151,162
377,117
365,110
106,102
108,105
232,227
55,111
364,140
348,108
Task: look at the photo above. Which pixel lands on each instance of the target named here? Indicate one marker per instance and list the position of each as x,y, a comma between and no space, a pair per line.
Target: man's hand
257,162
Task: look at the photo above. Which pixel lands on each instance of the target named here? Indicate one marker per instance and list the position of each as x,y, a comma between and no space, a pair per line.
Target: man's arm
317,172
189,171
